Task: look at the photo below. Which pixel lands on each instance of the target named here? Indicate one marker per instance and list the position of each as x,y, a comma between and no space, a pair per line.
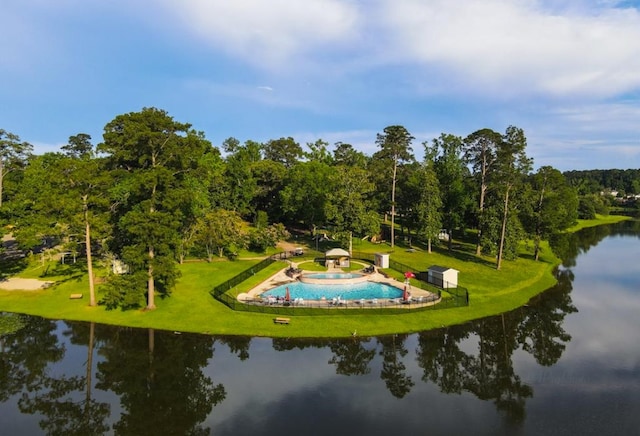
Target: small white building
382,260
119,267
442,276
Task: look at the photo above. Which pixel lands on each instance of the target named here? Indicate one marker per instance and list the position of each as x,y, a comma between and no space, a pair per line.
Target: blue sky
566,71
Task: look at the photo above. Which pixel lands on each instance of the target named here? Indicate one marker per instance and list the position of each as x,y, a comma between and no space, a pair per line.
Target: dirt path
20,284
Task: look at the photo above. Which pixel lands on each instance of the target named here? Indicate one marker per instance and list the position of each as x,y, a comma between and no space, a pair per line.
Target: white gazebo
337,257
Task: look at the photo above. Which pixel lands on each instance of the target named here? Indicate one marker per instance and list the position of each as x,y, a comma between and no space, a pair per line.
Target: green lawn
192,309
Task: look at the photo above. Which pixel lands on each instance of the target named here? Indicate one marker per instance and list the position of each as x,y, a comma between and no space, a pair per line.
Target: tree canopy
155,191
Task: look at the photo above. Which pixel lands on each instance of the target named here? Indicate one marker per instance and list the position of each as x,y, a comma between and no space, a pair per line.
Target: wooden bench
281,320
75,296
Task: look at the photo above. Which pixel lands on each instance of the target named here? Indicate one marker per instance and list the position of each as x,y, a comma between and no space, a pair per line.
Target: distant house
119,267
443,235
442,276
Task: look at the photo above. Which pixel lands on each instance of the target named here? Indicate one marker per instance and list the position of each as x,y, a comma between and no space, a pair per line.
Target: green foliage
348,205
596,181
590,205
13,156
269,179
318,151
261,238
151,156
347,156
125,291
157,192
284,150
219,231
10,323
451,171
305,193
238,186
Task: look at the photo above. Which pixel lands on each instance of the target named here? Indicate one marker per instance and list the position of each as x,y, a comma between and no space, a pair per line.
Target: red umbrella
409,275
287,296
405,294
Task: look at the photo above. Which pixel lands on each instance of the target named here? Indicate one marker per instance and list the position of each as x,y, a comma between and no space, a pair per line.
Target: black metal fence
220,290
456,297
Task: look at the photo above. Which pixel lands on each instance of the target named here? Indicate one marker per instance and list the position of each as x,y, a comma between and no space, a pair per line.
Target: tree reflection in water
164,390
160,380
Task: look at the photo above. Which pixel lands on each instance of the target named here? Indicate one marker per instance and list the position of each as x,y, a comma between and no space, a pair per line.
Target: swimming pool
351,291
326,279
329,276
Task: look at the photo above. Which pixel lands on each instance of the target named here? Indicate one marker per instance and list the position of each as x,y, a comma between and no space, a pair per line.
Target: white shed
443,276
382,260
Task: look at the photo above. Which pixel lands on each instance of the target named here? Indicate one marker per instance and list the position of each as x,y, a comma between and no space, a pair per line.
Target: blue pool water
333,275
352,291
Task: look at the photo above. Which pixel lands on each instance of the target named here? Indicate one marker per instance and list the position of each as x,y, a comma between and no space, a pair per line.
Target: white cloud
269,33
619,117
518,44
510,47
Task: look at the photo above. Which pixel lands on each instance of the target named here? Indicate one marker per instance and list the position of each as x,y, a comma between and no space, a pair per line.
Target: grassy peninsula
191,308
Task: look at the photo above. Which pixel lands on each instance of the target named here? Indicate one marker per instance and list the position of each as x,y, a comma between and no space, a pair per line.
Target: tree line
624,182
155,191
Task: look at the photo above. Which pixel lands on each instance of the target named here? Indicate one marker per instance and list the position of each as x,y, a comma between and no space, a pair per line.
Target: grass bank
192,309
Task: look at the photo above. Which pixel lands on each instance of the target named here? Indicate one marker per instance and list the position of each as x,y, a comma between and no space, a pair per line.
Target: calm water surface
566,364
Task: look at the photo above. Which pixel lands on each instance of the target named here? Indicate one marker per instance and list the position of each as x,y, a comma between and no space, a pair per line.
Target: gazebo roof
336,252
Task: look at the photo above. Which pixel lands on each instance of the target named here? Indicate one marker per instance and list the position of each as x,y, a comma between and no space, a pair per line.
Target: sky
565,71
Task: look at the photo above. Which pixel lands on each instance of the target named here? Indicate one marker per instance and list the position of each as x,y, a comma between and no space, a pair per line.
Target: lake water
566,364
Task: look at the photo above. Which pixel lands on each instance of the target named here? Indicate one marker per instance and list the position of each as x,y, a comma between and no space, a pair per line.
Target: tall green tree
35,211
305,193
348,203
553,206
345,155
407,194
284,150
513,165
452,172
13,156
480,152
81,179
269,179
395,150
239,187
79,146
220,230
428,203
319,151
205,187
151,154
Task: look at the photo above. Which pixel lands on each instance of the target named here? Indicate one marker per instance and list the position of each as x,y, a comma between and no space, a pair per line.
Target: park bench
75,296
281,320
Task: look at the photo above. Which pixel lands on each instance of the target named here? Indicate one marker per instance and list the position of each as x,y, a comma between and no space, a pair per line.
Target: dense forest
622,182
155,191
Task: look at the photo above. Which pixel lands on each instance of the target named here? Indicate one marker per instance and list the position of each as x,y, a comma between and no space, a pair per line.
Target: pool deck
419,297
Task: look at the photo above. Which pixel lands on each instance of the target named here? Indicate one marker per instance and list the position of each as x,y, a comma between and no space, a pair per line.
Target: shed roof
336,252
441,269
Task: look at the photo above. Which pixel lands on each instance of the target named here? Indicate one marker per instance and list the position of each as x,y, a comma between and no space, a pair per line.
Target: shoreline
191,308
